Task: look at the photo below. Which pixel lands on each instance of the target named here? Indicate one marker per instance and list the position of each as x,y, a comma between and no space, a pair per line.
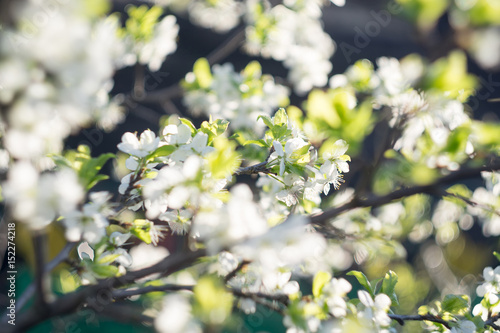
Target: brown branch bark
100,295
375,201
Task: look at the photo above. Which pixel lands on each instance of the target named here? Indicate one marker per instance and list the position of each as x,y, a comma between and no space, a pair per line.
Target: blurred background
399,35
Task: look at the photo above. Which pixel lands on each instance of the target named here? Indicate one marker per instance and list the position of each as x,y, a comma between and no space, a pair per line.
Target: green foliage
202,76
212,303
214,129
96,7
161,152
482,13
278,127
389,286
320,279
141,229
455,304
486,135
449,77
360,75
224,161
86,167
363,281
333,114
424,13
141,22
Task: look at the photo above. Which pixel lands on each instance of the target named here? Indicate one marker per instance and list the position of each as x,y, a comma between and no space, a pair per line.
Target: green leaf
141,22
162,151
320,107
281,118
497,255
455,304
221,126
261,143
363,280
61,161
212,303
107,259
189,124
141,229
267,120
97,179
449,75
105,270
253,69
320,279
301,151
224,161
90,168
201,70
388,286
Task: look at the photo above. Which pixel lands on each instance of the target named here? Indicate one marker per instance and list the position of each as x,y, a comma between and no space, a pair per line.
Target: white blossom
375,310
90,223
36,199
176,316
141,147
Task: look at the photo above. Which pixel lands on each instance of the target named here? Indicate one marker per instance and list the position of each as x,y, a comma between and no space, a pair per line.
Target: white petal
365,298
278,148
382,301
184,133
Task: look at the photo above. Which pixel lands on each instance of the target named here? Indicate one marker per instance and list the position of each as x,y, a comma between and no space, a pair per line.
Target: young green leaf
363,280
320,279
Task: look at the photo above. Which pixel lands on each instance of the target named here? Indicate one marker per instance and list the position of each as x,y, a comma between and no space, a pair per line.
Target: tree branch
231,44
266,300
40,249
375,201
235,271
100,295
124,293
253,169
428,317
59,258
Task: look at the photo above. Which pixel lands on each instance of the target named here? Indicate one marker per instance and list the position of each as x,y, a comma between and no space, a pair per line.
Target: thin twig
253,169
471,202
402,318
231,44
491,322
235,271
266,300
124,293
280,298
256,168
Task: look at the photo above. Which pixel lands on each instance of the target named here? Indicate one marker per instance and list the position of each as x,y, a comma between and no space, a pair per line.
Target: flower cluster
298,170
291,33
238,97
147,39
488,204
52,92
189,178
428,111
